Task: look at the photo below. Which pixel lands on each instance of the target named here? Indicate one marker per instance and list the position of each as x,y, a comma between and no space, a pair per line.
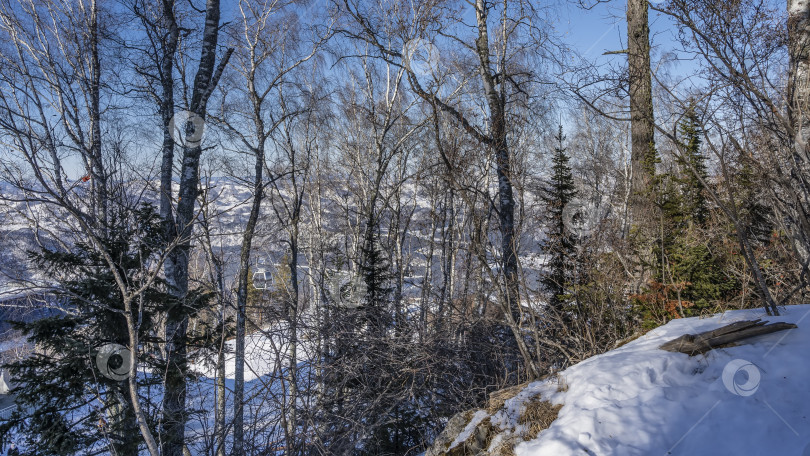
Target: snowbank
753,399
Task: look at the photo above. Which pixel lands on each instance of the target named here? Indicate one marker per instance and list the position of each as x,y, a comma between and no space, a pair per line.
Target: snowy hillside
752,399
229,202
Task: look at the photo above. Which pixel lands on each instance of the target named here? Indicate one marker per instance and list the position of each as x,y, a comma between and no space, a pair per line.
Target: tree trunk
97,172
799,117
218,278
241,306
427,278
220,431
293,309
166,69
497,125
176,269
448,258
642,141
642,136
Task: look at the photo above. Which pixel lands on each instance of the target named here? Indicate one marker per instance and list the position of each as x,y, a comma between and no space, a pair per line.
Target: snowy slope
639,400
261,351
265,388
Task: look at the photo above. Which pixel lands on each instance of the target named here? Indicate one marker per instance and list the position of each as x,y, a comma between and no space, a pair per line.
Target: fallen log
695,344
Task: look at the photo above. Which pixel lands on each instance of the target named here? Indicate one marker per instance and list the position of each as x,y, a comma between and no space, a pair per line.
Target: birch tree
268,54
502,81
52,90
180,218
798,118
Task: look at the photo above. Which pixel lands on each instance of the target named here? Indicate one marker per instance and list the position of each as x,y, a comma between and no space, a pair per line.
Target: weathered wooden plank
736,326
693,344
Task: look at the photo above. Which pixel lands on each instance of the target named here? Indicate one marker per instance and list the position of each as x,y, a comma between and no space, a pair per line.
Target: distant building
5,382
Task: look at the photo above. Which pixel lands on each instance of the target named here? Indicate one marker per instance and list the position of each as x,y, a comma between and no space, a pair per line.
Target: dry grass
498,398
507,450
486,432
468,415
539,415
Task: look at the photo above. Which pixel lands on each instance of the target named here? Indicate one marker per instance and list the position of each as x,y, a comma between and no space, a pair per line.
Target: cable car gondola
260,275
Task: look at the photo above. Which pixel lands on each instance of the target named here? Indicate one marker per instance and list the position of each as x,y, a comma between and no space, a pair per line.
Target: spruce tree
66,406
692,162
560,246
375,269
689,277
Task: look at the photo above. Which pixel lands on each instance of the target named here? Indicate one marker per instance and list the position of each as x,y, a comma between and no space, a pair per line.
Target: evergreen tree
559,190
370,377
66,405
756,214
689,277
692,161
375,269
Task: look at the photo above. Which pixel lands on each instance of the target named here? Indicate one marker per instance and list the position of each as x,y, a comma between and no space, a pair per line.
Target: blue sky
603,28
589,32
593,31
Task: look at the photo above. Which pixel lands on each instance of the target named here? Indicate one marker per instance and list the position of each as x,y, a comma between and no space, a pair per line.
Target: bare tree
43,104
180,220
268,54
503,82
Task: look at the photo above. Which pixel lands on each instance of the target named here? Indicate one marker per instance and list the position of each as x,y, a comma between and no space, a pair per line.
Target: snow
259,353
465,434
265,388
5,385
262,350
640,400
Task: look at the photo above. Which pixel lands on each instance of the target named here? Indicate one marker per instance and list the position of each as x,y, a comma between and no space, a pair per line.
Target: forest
326,227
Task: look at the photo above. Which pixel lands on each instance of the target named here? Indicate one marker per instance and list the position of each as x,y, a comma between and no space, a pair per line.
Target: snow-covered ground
265,387
753,399
261,351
